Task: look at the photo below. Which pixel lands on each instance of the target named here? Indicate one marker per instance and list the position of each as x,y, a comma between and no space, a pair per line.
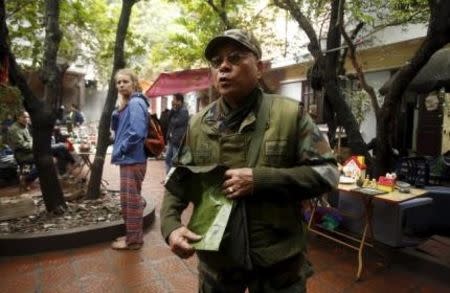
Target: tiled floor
154,268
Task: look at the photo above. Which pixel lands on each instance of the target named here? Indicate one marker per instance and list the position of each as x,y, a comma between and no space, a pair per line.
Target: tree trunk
326,70
42,116
438,35
105,120
333,90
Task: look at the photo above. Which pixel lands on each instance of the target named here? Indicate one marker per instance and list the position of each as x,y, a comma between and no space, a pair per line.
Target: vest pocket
233,150
276,153
202,156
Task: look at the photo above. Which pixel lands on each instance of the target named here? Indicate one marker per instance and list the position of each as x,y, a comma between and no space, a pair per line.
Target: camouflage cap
245,38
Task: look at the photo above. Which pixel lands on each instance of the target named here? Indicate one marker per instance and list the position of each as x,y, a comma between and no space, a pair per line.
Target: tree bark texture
105,120
42,116
438,35
333,91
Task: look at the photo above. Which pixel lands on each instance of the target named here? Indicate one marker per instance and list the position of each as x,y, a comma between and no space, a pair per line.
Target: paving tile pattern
97,268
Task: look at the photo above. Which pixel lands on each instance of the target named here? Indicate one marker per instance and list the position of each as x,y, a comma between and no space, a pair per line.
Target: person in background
21,143
75,117
61,151
9,120
164,120
60,115
276,157
178,121
130,125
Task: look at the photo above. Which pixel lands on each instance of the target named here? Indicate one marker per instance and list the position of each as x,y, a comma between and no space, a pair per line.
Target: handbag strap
239,247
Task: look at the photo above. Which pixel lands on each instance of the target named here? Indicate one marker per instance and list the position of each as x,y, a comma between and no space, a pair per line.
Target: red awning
180,82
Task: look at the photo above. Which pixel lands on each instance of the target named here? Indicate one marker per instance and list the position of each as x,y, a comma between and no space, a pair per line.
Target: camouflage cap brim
238,36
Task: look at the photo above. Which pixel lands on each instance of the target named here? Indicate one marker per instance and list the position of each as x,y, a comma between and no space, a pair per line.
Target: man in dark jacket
75,116
164,121
178,122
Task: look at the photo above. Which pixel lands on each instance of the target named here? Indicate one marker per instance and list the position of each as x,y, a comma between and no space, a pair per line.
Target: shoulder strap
262,123
239,248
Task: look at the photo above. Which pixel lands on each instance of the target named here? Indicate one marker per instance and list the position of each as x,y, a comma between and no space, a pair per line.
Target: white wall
396,34
296,40
368,126
291,88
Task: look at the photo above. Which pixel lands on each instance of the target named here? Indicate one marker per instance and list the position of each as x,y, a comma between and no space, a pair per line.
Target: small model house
355,167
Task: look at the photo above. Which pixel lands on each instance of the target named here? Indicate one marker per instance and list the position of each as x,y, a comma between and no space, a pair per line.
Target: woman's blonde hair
123,101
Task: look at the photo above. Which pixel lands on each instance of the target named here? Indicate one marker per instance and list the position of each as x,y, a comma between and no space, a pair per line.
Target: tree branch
359,72
221,12
355,32
304,23
19,7
393,23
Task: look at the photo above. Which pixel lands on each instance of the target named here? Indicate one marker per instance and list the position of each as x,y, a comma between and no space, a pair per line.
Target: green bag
202,185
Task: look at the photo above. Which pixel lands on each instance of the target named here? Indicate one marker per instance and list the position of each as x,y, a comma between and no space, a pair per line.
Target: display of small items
355,167
384,183
387,183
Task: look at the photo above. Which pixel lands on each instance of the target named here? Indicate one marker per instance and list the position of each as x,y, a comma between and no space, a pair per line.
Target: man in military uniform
276,157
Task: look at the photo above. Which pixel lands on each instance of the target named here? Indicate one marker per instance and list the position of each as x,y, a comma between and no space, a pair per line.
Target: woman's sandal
122,245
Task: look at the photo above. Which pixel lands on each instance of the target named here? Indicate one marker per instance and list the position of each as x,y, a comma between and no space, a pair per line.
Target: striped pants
131,201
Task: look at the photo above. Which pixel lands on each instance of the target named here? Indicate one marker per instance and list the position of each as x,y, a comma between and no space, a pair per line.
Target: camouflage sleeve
173,206
316,167
170,213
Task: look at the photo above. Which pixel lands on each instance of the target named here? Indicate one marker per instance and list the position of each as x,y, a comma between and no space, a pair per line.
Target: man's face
124,85
176,104
235,71
24,119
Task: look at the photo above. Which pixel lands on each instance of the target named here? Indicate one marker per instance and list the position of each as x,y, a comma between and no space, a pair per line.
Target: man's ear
260,67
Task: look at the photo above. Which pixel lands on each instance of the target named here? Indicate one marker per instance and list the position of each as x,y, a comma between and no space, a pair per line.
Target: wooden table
356,243
393,197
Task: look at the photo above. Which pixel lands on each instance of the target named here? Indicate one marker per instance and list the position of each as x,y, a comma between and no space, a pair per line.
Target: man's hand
238,182
179,242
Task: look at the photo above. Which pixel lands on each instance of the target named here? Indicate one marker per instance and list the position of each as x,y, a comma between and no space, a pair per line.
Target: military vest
274,219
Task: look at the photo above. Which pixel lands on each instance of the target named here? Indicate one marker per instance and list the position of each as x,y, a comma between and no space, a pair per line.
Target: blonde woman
130,124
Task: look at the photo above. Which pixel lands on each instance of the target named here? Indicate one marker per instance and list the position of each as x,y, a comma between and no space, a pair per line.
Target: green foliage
10,101
197,22
384,12
359,102
25,24
85,24
88,28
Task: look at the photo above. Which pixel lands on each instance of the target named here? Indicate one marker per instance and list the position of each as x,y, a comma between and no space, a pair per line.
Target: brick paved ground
97,268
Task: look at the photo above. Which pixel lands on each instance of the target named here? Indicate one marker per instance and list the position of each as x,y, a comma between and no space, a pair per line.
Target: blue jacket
75,117
130,126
